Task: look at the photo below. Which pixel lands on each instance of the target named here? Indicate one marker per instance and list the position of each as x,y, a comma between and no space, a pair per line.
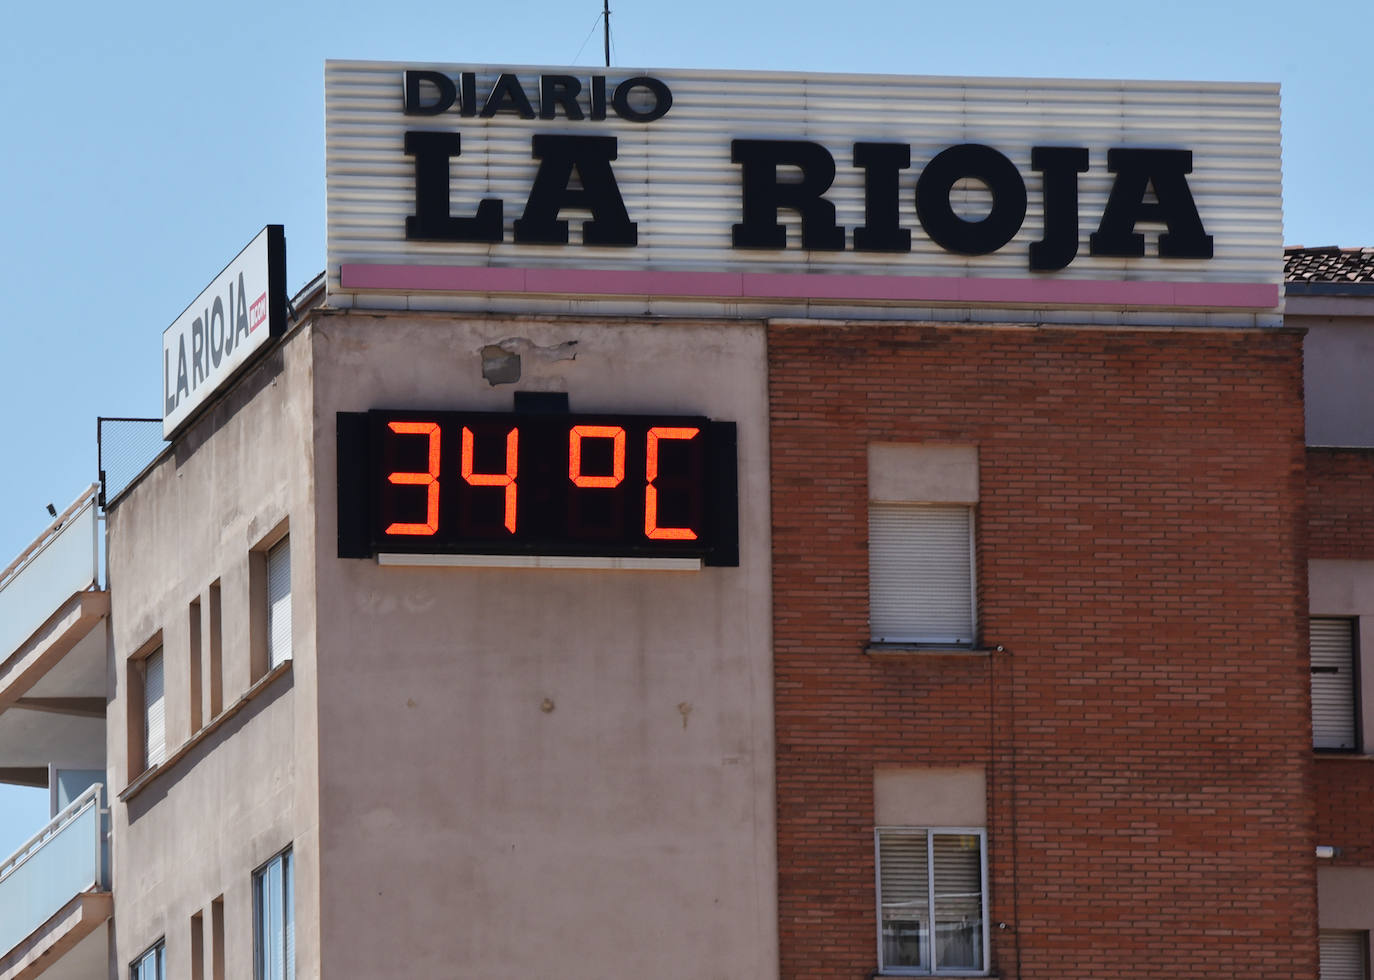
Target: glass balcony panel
62,566
59,863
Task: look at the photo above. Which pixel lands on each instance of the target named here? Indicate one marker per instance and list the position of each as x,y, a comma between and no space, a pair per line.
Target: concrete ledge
47,944
149,775
883,651
50,643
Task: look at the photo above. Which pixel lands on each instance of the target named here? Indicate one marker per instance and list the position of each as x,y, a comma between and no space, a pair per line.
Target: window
1334,683
1343,954
152,965
920,573
215,668
198,946
194,622
217,939
932,885
154,711
279,603
274,925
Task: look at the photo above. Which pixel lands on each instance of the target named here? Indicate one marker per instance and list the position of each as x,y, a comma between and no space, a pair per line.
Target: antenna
606,19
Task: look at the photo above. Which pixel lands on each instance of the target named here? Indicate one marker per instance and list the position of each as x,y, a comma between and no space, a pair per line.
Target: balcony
52,653
54,891
55,897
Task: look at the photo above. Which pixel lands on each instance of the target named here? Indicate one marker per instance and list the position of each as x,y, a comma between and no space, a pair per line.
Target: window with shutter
1343,954
279,603
920,573
904,898
154,711
1333,683
931,896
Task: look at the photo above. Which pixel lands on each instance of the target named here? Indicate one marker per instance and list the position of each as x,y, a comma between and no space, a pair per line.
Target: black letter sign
591,156
881,230
1136,171
414,103
765,195
432,220
1061,166
952,232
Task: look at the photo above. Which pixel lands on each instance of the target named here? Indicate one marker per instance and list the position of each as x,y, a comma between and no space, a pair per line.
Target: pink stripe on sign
632,282
811,286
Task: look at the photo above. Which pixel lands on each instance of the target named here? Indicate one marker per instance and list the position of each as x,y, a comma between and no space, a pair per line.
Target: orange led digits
651,528
429,480
575,436
506,479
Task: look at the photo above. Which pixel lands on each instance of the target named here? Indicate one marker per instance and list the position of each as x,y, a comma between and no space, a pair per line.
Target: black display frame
366,499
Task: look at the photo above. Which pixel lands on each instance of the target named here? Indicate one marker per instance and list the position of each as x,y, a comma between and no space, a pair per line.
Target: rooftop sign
831,188
227,324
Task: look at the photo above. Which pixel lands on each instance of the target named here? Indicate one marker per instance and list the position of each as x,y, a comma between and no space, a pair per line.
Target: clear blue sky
145,143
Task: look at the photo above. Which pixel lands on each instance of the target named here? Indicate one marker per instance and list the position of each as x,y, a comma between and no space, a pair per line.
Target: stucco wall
533,772
245,791
1337,354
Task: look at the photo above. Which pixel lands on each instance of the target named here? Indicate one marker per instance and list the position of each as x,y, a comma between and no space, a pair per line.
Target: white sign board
854,188
227,324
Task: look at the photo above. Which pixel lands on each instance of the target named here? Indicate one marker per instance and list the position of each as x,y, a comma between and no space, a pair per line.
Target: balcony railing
61,562
64,859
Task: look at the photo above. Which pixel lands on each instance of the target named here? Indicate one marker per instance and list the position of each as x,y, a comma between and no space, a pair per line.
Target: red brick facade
1340,508
1340,503
1345,802
1145,731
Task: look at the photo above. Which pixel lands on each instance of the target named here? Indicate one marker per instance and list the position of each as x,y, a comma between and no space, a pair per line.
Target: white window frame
265,967
963,634
151,964
930,832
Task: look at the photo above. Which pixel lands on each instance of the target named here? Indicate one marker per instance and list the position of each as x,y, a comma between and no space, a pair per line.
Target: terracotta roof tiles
1329,264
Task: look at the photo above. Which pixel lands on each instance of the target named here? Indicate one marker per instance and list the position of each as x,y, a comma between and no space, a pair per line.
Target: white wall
246,790
1338,363
529,772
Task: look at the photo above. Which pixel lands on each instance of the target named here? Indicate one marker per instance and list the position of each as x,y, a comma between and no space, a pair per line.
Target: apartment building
727,525
1330,295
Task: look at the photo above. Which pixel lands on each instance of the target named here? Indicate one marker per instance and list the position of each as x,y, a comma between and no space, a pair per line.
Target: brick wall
1145,730
1340,519
1340,503
1345,809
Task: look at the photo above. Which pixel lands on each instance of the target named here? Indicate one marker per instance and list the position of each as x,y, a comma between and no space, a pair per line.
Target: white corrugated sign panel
680,186
154,711
279,603
1343,954
920,573
1333,683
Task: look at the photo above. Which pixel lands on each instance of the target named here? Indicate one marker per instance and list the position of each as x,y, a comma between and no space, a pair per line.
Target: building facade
722,525
1330,295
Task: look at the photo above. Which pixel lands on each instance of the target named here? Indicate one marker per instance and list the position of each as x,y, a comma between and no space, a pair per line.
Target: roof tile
1328,264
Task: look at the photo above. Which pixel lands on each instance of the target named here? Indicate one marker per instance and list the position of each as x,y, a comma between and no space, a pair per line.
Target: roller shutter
154,711
920,573
279,603
1343,954
1333,683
